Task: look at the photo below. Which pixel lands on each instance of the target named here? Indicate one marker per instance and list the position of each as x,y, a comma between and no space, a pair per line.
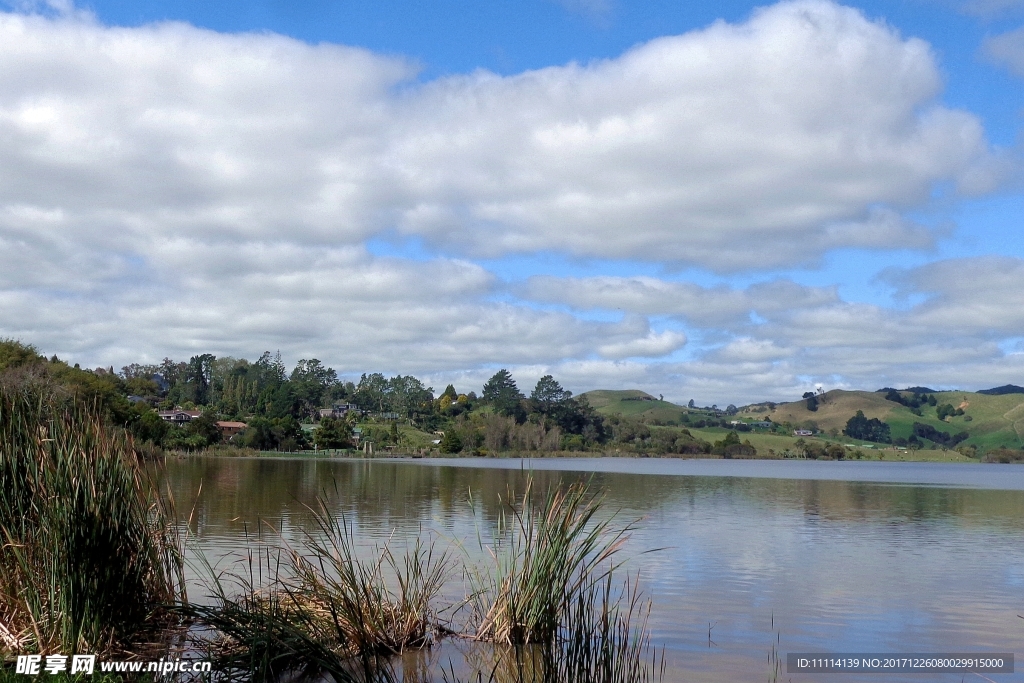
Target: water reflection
836,565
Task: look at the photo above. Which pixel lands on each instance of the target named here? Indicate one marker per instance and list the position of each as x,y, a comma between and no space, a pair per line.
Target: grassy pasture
995,420
608,402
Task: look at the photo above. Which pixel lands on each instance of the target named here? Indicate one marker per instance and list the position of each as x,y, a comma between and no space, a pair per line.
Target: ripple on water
895,557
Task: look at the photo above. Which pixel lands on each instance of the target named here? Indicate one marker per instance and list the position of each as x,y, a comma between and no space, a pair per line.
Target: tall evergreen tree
504,396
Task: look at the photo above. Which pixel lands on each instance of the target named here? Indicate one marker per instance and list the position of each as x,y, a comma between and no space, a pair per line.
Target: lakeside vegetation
547,609
311,409
91,562
89,557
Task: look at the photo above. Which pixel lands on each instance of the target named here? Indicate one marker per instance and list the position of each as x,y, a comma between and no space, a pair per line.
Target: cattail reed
88,553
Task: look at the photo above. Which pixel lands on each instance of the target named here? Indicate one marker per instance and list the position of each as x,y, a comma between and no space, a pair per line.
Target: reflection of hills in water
395,495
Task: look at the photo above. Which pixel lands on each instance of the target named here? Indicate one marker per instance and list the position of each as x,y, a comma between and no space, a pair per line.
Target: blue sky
728,202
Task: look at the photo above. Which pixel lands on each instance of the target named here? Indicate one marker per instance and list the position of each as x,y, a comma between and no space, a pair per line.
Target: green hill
991,420
633,403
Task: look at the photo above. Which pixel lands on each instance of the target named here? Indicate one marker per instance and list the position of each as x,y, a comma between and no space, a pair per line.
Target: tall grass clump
605,639
377,605
545,557
255,633
89,556
331,609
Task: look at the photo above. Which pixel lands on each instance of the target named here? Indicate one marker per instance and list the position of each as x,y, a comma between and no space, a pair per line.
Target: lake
806,556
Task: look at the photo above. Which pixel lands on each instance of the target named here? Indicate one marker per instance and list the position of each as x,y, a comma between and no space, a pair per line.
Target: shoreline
974,475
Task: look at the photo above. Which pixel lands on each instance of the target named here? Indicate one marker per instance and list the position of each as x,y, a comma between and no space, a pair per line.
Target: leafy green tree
314,372
814,450
312,383
105,391
137,370
574,416
200,372
333,433
548,396
860,427
267,434
504,396
408,397
730,447
944,439
141,386
268,371
172,372
179,439
258,434
205,427
451,442
14,354
371,393
149,426
835,451
280,401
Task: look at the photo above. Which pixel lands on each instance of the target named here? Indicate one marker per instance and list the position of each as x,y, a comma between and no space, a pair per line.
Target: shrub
1004,455
730,447
451,442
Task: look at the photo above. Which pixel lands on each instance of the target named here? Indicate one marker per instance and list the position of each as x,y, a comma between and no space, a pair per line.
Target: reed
544,559
89,555
259,634
327,608
548,606
605,639
379,605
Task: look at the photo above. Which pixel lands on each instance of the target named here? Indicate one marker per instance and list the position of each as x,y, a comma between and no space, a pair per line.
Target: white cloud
1007,49
787,130
989,9
969,297
654,345
170,190
791,129
344,306
720,306
953,337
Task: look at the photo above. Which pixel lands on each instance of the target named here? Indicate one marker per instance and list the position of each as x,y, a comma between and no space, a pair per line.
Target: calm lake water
807,556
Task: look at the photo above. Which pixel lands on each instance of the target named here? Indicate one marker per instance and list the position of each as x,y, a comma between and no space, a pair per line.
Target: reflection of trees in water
847,500
395,495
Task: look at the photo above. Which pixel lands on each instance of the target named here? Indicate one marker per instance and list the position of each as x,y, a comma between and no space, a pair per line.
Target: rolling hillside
633,403
993,420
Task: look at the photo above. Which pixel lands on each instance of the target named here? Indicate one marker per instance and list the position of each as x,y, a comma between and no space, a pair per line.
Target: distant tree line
274,403
914,401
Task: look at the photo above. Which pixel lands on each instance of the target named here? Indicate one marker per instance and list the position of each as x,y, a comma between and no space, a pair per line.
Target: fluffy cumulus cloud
805,129
171,190
808,126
